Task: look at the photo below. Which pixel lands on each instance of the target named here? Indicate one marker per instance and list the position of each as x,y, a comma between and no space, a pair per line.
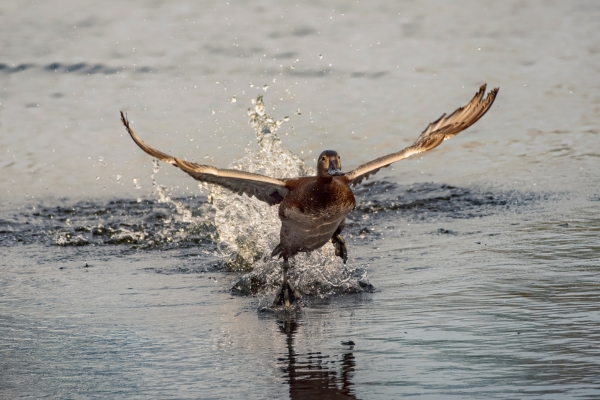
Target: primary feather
436,132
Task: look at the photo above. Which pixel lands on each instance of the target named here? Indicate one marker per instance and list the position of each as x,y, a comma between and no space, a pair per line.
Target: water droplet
119,177
233,99
241,223
251,84
320,56
265,87
298,112
97,178
100,159
89,157
213,112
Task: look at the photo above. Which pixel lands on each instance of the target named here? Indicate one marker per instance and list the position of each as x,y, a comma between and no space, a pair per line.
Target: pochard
313,209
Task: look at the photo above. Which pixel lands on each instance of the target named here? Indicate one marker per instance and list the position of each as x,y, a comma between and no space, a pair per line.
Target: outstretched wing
435,133
269,190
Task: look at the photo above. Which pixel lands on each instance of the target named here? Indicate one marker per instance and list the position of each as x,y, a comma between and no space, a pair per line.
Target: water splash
249,229
162,196
318,273
120,223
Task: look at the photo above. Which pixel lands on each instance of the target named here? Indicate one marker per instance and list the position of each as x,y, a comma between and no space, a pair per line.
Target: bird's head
329,164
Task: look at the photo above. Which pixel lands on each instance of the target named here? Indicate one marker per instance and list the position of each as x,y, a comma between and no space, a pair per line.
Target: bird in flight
313,209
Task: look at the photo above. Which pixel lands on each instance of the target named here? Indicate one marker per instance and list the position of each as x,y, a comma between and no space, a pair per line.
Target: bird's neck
324,179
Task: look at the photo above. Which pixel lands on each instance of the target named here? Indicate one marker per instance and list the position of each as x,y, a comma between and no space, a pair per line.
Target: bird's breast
312,201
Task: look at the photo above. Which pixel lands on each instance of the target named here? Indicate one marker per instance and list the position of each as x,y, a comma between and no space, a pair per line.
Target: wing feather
264,188
436,132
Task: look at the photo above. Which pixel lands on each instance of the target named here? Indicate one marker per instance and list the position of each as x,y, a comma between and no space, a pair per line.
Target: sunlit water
473,271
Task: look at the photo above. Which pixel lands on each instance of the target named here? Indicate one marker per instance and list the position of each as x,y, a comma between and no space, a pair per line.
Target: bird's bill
334,168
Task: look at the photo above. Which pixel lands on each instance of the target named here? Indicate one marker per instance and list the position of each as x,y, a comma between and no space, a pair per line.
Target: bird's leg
287,293
340,247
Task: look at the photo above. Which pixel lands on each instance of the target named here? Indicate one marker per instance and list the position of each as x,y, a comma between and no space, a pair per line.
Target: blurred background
363,78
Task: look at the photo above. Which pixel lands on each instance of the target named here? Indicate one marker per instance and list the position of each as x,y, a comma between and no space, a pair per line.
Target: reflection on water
315,375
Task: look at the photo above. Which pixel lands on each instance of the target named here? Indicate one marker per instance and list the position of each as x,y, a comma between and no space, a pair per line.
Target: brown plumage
313,209
312,212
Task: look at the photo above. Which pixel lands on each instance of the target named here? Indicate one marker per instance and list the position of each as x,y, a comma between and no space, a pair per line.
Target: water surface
473,270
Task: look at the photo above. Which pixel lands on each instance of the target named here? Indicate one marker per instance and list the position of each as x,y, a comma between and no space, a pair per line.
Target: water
473,270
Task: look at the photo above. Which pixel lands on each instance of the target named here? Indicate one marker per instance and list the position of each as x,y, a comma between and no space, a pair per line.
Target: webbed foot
340,247
286,295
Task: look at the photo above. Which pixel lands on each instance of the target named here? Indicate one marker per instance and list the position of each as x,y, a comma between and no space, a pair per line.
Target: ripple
79,68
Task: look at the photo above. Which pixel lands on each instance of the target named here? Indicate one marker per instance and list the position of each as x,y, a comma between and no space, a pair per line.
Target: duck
313,209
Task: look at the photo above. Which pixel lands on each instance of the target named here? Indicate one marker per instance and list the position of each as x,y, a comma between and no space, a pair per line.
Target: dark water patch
74,67
372,75
83,68
18,68
53,66
304,31
297,32
423,201
138,225
79,68
235,51
313,73
418,268
443,231
98,69
319,73
286,55
323,72
413,28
